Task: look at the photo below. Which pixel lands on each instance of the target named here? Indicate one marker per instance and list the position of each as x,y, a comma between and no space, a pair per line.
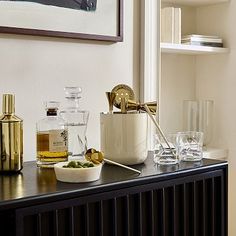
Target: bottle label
58,140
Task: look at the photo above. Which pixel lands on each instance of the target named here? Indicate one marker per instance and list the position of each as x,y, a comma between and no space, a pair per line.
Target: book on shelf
171,25
200,36
177,25
167,24
202,40
208,44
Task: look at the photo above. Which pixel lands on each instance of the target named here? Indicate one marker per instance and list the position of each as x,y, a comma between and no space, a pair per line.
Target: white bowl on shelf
77,175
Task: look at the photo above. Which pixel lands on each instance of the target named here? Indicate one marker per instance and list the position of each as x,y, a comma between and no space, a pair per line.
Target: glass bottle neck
72,103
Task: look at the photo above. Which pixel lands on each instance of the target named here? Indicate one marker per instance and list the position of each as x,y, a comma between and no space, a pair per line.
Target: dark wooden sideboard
189,199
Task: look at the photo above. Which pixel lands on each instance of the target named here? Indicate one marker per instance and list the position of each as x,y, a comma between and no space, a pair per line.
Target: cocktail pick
159,129
110,97
98,157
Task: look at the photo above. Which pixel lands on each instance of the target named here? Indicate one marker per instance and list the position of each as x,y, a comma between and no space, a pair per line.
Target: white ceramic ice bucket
124,137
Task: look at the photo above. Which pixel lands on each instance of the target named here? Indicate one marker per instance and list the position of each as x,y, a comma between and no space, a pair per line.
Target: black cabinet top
35,185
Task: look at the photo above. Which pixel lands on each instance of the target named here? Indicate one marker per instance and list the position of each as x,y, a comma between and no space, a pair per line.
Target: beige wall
177,84
36,69
216,79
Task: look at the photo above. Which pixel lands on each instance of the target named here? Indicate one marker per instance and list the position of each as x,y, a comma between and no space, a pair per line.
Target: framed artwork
81,19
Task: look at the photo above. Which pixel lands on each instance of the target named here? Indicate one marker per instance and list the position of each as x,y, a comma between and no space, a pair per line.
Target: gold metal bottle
11,137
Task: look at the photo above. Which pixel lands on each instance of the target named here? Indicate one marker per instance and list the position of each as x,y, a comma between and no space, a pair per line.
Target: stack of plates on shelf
202,40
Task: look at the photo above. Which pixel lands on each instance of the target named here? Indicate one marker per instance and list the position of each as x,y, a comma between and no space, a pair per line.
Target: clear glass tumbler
189,145
165,154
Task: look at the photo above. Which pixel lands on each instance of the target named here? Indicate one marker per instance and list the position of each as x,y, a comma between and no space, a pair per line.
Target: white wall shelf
191,49
195,2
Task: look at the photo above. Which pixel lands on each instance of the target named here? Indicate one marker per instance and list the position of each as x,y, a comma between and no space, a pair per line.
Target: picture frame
28,17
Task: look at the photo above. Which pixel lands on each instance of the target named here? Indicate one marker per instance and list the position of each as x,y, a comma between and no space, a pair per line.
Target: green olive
78,164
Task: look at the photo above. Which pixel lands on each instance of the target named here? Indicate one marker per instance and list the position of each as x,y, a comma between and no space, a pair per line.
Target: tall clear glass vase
198,116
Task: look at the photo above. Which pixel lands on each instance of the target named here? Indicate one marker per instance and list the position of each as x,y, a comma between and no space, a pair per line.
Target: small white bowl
77,175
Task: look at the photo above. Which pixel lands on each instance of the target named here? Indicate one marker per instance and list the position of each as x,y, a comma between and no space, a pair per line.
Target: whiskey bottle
52,146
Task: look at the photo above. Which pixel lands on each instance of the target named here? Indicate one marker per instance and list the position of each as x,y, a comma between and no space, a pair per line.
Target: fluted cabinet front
194,205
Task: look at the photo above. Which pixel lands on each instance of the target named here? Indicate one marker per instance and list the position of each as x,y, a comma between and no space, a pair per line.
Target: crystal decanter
76,122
